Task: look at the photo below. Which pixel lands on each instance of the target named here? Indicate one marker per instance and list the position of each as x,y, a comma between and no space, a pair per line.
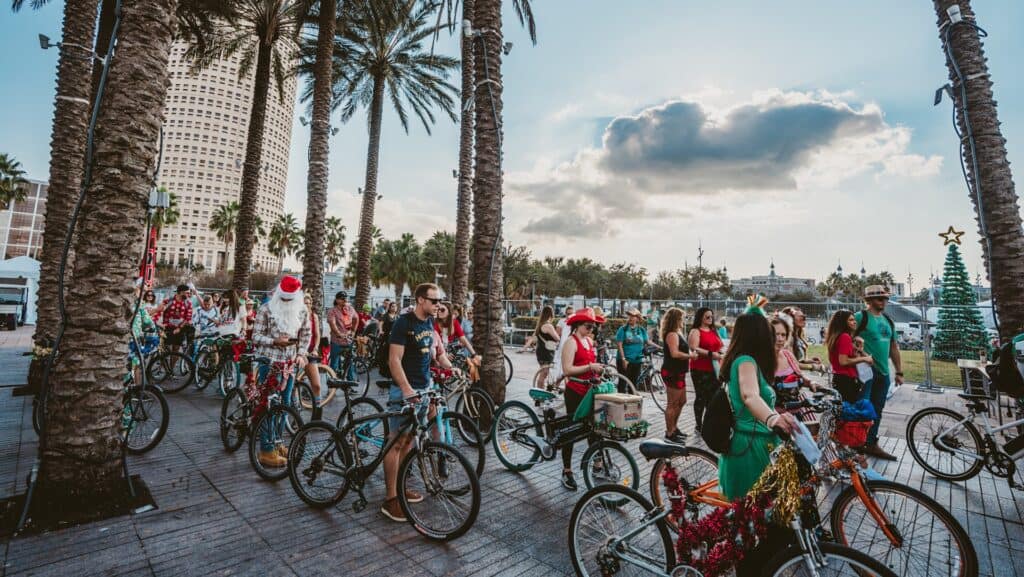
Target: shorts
173,339
674,380
395,403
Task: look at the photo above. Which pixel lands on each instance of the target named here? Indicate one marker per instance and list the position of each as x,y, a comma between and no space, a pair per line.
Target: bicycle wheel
697,468
173,371
317,461
923,430
610,512
933,542
271,428
147,415
508,369
326,394
540,378
460,432
476,404
838,561
362,365
656,385
369,436
234,420
449,487
300,391
207,368
227,377
512,418
37,415
609,463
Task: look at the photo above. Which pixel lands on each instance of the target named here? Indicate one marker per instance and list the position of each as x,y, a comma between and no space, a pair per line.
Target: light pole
533,295
191,257
437,272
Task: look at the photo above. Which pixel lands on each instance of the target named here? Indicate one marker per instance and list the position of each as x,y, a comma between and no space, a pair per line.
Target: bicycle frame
990,432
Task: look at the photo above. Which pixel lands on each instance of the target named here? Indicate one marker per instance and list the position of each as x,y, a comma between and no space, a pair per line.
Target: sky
798,131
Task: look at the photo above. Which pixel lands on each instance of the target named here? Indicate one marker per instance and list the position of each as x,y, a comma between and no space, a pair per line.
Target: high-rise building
206,121
21,225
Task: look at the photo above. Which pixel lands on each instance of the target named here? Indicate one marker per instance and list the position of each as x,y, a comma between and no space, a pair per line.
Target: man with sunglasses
879,335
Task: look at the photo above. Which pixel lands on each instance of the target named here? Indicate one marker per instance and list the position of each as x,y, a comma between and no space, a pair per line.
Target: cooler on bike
619,416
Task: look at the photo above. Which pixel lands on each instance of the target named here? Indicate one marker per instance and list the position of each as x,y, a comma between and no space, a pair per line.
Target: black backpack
719,424
863,323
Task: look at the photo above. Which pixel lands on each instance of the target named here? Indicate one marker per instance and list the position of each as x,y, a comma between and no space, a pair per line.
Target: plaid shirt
266,330
177,313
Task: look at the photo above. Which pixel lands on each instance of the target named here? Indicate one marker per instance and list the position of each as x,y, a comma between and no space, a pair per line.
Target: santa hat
289,288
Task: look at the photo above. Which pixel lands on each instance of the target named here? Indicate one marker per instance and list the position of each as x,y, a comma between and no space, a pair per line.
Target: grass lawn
943,372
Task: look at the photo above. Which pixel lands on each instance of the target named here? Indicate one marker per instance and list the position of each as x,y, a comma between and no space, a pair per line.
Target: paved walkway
216,517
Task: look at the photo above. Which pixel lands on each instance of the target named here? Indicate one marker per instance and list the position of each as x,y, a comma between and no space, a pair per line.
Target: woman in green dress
750,357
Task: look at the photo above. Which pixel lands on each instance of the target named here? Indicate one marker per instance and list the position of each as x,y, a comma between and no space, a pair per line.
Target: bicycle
471,401
650,379
900,526
325,463
521,440
172,370
616,530
145,416
460,361
215,360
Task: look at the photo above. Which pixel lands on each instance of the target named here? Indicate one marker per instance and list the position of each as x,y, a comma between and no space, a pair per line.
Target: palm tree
440,248
12,177
262,31
80,451
223,223
398,262
334,242
284,238
487,196
67,154
984,156
463,220
166,216
378,55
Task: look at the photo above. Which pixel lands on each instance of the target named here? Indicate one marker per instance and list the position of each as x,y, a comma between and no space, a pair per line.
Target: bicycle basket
853,434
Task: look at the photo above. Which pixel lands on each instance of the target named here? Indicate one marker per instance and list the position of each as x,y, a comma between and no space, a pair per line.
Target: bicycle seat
661,449
341,384
541,395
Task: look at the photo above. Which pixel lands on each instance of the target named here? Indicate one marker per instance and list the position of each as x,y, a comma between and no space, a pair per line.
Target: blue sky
875,181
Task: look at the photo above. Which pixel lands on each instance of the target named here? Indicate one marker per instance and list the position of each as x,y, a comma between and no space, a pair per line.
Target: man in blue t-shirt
410,347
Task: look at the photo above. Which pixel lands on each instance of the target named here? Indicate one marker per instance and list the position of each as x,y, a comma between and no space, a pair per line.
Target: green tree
960,333
223,223
440,248
398,262
12,181
166,216
380,55
334,244
284,238
702,282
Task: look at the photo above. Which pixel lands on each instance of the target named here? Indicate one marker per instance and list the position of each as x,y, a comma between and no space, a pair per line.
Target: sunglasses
589,326
432,301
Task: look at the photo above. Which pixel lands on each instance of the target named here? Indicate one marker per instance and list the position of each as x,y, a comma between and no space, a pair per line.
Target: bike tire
505,421
425,462
277,411
300,391
235,414
606,504
596,472
465,437
326,372
508,369
658,389
228,377
478,405
318,453
930,543
922,445
173,371
788,563
37,415
155,410
207,369
694,469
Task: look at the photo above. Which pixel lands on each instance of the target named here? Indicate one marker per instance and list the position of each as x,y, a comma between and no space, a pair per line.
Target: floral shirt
266,330
177,313
206,320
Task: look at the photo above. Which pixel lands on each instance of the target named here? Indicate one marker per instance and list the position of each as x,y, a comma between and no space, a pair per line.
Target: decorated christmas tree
961,332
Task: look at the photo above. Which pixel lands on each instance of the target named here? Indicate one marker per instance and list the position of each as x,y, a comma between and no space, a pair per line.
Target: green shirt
749,453
877,335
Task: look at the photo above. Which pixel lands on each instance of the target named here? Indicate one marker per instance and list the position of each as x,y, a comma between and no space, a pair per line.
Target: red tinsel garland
719,541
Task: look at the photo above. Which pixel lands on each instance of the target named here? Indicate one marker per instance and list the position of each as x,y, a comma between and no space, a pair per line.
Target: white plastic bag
864,372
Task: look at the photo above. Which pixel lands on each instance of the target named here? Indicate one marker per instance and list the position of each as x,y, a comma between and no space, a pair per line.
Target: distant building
21,225
772,284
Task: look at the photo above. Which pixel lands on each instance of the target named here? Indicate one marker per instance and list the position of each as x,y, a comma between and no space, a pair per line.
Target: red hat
584,315
289,287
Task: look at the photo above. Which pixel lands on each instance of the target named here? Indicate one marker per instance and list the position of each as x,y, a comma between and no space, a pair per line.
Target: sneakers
678,437
568,481
283,451
272,459
874,450
412,496
392,510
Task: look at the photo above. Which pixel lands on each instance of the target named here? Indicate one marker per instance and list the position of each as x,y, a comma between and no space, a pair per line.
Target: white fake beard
287,314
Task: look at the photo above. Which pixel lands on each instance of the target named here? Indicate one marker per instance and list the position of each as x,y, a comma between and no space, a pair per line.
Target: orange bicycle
900,526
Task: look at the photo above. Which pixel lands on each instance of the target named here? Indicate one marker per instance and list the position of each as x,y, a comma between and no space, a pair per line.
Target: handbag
550,345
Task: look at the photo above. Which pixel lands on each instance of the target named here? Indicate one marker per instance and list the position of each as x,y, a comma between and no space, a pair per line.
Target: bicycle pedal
359,505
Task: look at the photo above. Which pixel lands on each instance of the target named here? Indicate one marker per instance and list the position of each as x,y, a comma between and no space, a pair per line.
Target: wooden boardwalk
216,517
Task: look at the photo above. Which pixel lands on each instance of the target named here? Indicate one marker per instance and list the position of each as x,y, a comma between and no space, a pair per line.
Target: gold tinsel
781,483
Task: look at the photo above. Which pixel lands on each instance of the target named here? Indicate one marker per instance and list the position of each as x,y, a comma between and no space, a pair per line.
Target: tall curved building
206,120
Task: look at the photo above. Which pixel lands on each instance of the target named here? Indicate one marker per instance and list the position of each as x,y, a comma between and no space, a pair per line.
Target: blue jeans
272,432
338,355
876,390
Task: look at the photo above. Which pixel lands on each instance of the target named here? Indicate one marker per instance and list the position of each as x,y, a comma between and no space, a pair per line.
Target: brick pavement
216,517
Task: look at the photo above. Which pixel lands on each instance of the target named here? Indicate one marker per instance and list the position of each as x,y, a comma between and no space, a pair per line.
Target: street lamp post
533,295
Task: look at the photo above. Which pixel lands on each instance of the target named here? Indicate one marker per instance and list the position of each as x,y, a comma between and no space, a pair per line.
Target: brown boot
392,510
874,450
283,451
272,459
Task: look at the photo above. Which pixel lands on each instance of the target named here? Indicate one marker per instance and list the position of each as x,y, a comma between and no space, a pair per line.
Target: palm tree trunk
999,206
227,255
319,146
398,293
245,236
108,13
365,246
67,156
487,255
81,459
463,220
280,264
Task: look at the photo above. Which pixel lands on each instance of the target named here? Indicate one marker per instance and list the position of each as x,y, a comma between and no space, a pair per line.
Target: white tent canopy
27,268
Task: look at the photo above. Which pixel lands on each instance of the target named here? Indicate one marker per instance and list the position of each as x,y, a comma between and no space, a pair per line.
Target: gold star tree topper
951,236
